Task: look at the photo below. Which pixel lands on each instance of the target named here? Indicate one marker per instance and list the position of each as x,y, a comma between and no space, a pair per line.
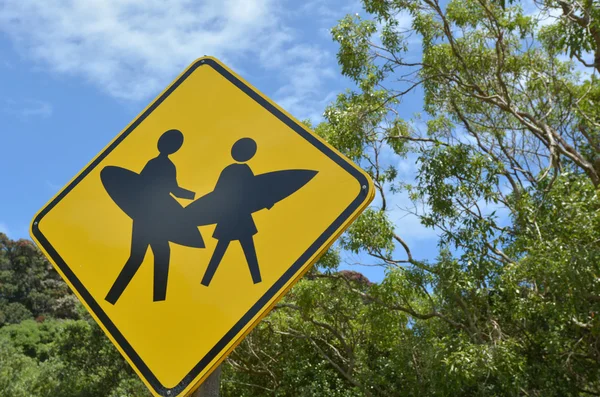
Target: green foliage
372,231
508,176
577,33
63,358
54,355
14,313
294,351
29,286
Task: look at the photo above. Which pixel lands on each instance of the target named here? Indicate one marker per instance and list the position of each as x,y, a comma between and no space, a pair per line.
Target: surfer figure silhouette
157,217
237,195
236,183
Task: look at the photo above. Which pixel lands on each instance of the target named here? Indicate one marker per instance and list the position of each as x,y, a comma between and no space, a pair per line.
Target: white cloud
3,228
305,72
330,11
38,108
543,16
405,20
131,49
26,108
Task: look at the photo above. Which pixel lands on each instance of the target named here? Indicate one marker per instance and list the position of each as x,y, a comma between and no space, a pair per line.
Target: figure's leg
162,256
214,261
250,253
139,246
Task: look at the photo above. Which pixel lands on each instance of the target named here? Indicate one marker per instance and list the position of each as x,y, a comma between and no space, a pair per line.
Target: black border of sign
264,300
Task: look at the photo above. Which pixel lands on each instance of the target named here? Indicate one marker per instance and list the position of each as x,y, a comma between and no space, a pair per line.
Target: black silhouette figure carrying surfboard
157,217
237,194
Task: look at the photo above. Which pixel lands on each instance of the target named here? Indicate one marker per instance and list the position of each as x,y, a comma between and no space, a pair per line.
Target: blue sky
74,73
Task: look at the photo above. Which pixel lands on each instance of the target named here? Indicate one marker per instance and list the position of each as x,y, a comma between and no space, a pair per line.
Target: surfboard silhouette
267,189
131,192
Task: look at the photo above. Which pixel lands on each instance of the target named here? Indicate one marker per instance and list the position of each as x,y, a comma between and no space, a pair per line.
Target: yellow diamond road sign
195,220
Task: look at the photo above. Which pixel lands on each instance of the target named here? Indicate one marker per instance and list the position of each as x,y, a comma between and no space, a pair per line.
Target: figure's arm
251,176
183,193
179,191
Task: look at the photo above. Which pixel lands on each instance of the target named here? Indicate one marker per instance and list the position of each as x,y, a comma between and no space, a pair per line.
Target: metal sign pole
210,387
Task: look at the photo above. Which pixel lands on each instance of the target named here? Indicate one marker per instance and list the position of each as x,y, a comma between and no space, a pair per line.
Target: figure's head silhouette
243,150
170,142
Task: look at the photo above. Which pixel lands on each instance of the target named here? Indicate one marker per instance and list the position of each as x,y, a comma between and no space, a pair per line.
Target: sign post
187,228
211,386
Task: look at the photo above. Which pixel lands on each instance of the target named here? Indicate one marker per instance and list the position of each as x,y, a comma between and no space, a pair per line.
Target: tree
63,358
507,150
63,352
29,285
307,346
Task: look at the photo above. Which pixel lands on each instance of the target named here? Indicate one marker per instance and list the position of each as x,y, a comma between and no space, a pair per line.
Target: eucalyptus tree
507,153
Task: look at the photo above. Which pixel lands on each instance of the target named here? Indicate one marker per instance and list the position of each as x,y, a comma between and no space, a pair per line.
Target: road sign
195,220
